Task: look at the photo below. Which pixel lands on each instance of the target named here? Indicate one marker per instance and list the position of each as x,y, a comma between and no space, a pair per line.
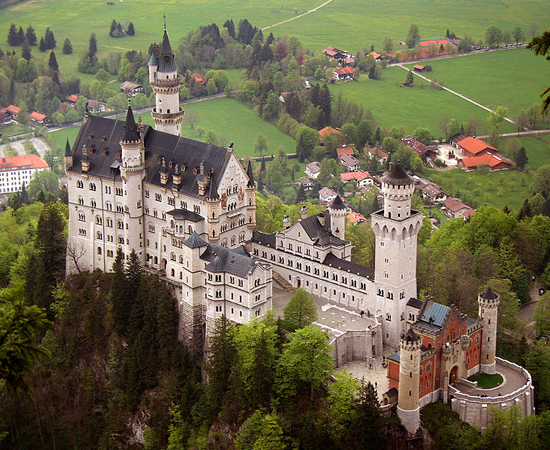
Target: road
38,143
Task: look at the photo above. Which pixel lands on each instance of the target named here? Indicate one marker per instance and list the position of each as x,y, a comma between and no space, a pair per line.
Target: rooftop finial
165,22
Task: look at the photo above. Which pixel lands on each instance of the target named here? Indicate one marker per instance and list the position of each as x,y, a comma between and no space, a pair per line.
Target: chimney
303,212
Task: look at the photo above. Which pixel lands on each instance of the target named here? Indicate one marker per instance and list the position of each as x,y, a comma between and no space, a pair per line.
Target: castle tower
396,229
337,211
132,172
250,198
166,83
213,201
488,315
68,156
408,407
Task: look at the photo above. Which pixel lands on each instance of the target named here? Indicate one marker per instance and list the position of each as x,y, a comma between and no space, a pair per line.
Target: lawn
420,105
365,23
511,78
486,381
484,188
228,118
11,130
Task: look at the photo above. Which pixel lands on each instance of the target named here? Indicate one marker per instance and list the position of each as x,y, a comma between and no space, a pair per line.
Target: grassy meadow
231,120
347,24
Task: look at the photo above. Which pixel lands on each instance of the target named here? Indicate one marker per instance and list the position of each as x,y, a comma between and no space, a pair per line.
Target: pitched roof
39,117
129,85
185,214
454,204
264,239
22,162
314,167
345,71
131,133
319,234
376,152
73,98
489,159
433,314
348,160
12,109
327,192
475,146
342,264
223,259
345,151
199,78
357,176
489,294
415,303
194,241
427,42
337,203
187,153
355,217
420,149
166,60
327,130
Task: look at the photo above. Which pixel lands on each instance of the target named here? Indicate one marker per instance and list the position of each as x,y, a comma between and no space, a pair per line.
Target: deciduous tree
300,310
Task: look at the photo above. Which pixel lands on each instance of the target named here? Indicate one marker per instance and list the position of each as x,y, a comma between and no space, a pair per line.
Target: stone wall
357,345
475,409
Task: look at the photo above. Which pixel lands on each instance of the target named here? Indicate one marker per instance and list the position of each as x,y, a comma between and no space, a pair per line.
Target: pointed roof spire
489,294
337,203
130,128
250,174
212,188
68,151
166,60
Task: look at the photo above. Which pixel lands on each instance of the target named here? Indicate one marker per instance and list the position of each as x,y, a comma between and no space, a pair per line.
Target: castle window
380,292
241,284
79,184
80,201
120,224
92,187
173,256
107,189
99,235
120,240
402,295
171,201
158,197
218,293
81,217
109,222
119,209
98,220
316,271
139,204
218,278
155,213
334,277
218,308
108,206
197,209
363,286
82,232
146,193
388,317
232,240
390,295
224,228
119,191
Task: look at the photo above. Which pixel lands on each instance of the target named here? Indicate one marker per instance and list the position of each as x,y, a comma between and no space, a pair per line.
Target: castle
188,208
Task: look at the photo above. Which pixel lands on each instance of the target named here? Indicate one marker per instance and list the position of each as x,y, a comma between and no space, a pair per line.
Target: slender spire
130,128
68,151
212,188
250,174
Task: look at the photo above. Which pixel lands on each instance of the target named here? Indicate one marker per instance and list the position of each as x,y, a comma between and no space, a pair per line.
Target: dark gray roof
68,151
434,313
395,357
489,294
342,264
337,203
185,214
166,60
101,132
320,235
223,259
250,175
194,241
268,240
470,321
153,60
241,250
131,133
411,336
212,189
415,303
397,177
392,392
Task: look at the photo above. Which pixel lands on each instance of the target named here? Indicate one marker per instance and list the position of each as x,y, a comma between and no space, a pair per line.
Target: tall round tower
166,83
132,172
488,316
408,407
337,211
250,198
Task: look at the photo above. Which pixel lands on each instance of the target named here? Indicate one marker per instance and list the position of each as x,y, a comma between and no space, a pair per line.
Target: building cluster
188,211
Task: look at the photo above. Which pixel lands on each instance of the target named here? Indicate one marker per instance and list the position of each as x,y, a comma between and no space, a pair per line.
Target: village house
18,170
424,151
313,169
493,162
344,151
356,219
9,113
96,106
380,155
343,57
198,78
419,68
323,132
349,162
344,73
326,195
431,192
130,88
362,178
72,99
430,42
455,209
472,147
39,118
307,183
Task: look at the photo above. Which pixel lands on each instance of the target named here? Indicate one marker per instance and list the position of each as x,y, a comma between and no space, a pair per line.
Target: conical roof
131,133
411,336
489,294
166,60
68,151
153,60
398,177
250,175
337,203
194,241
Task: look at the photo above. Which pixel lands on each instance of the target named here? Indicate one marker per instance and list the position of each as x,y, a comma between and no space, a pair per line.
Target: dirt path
457,94
298,16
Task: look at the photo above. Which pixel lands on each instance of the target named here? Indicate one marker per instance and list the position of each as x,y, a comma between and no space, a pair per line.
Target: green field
511,78
393,104
347,24
228,118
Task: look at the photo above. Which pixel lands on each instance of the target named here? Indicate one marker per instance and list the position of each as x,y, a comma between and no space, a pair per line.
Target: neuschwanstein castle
188,210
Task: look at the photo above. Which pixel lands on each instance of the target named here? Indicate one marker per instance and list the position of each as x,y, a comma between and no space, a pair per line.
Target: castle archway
298,282
453,376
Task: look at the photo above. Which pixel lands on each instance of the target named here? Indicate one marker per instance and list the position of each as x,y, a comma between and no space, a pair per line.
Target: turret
213,202
408,407
398,189
489,302
250,198
68,156
337,211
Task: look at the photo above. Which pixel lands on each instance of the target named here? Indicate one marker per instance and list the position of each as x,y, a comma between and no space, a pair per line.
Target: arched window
81,216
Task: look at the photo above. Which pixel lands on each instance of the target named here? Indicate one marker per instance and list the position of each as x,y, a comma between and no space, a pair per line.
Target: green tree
413,36
305,362
92,46
541,181
423,135
307,139
45,181
30,35
275,175
493,36
271,434
272,107
496,119
131,31
342,397
410,79
518,35
260,144
13,36
52,62
537,362
387,45
540,46
300,310
211,138
541,315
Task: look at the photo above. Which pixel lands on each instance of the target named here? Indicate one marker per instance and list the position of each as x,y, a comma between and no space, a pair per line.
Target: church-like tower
408,406
396,229
132,171
337,211
488,316
166,83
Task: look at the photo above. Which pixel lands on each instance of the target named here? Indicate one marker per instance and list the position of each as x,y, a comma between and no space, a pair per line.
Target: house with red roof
471,147
380,155
342,56
18,170
455,209
327,130
13,110
428,42
198,78
356,218
345,151
361,177
419,148
344,73
419,68
493,161
72,99
39,118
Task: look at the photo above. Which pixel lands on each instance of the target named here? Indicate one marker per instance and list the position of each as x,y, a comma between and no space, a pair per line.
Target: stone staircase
281,280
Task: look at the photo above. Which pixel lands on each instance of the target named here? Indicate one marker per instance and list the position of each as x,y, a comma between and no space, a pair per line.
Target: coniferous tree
49,39
52,63
42,47
31,35
301,195
121,310
113,28
92,46
21,35
13,36
131,30
410,79
367,425
230,27
26,51
67,47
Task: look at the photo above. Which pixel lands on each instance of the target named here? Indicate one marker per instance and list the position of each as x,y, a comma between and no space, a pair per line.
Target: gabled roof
337,203
345,71
129,85
22,162
73,98
198,78
264,239
223,259
187,153
327,130
345,151
475,146
39,117
342,264
194,241
314,167
348,160
415,303
376,152
426,42
327,192
357,176
355,217
489,159
454,204
434,313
